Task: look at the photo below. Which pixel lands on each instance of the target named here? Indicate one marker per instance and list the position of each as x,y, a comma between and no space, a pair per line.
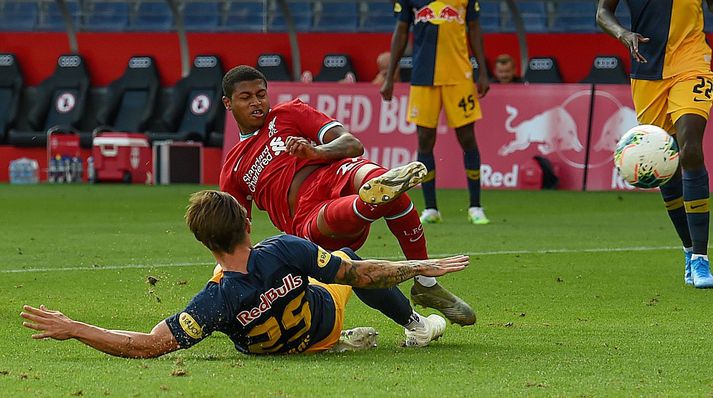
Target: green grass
559,313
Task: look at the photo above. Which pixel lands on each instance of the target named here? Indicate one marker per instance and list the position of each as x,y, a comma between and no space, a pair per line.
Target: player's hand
631,40
446,265
387,89
301,148
483,85
51,324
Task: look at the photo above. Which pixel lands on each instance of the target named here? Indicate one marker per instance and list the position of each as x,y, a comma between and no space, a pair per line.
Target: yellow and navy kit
677,42
272,308
440,45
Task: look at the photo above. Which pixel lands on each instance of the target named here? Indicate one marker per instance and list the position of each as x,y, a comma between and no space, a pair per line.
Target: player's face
504,73
249,105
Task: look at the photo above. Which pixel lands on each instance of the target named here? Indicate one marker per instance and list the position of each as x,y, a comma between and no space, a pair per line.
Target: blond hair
217,220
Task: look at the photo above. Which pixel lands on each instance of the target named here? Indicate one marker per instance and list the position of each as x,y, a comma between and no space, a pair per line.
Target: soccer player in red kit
304,169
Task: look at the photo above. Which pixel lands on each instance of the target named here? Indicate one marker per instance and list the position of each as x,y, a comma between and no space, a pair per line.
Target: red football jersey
258,168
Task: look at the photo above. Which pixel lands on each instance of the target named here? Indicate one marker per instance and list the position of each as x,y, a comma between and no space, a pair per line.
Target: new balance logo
271,127
277,145
343,169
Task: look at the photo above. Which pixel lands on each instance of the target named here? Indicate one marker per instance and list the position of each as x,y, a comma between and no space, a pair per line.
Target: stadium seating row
606,69
191,110
225,15
265,15
135,102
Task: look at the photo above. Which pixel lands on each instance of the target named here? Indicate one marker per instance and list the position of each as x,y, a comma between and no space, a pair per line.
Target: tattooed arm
381,273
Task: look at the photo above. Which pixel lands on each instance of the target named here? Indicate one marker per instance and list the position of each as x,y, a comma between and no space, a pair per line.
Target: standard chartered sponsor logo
256,169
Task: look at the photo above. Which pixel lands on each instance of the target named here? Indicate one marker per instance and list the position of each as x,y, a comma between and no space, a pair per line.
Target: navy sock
695,200
471,159
672,193
429,182
390,302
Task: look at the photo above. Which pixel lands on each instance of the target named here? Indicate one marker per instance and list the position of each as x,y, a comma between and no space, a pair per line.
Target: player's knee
426,139
691,156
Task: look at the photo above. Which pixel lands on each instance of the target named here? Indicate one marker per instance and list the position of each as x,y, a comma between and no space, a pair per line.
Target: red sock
341,217
350,230
406,227
402,219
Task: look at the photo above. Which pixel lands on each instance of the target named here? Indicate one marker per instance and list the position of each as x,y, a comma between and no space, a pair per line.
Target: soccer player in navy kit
263,296
671,85
442,77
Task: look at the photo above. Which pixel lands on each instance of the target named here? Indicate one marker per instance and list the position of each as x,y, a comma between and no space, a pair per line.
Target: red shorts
318,189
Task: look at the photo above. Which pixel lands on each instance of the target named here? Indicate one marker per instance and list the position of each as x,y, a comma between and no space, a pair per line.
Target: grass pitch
577,294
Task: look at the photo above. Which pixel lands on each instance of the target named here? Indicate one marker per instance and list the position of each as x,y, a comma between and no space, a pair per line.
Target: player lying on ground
304,169
263,297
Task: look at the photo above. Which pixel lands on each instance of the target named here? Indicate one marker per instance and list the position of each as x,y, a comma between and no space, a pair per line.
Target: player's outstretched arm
56,325
381,273
338,144
608,22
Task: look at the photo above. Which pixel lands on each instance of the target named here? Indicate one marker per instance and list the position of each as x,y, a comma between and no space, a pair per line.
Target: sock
390,302
672,193
414,321
471,159
426,281
697,256
404,223
687,249
342,219
429,182
695,200
349,216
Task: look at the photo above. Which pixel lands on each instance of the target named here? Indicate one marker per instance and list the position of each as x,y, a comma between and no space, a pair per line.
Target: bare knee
692,156
466,137
426,139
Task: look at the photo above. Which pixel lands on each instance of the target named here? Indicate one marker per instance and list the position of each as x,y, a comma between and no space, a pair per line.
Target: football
646,156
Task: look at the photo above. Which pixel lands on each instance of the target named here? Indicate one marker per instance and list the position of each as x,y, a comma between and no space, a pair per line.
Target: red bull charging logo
437,13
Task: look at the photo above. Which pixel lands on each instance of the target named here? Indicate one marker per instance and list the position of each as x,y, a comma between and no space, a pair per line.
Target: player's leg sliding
407,228
696,203
429,215
392,303
672,193
348,215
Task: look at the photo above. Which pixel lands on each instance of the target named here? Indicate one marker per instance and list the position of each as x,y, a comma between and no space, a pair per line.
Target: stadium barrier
575,126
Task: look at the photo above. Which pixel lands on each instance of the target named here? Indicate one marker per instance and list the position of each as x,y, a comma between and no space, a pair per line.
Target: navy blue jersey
272,308
677,42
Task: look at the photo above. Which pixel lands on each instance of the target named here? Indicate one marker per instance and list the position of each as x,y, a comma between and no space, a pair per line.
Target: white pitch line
486,253
101,267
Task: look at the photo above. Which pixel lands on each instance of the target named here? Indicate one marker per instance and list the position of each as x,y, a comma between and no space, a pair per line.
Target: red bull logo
437,13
